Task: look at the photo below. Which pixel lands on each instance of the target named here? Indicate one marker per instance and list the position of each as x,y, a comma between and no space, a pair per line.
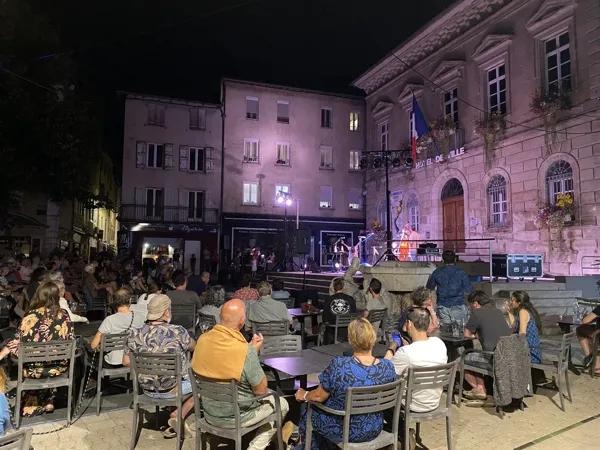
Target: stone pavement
471,427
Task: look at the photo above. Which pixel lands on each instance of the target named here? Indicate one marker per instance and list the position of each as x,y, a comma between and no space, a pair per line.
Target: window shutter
160,114
354,197
169,160
140,160
202,119
183,199
208,199
151,113
140,196
210,162
183,158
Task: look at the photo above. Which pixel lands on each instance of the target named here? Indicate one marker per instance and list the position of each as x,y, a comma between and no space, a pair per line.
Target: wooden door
453,210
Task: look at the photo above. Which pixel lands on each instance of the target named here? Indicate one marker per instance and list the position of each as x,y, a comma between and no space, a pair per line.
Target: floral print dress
38,326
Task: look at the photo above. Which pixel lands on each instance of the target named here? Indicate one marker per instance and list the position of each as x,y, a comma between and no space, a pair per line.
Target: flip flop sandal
474,403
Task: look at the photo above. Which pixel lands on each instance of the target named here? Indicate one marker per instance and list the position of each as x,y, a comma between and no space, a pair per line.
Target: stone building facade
478,57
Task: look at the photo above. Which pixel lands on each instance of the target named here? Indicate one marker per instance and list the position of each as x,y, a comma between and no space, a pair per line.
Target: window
282,150
413,211
326,157
154,202
326,118
558,63
42,210
496,192
383,135
451,104
353,121
252,108
411,119
354,198
354,160
326,197
283,188
198,118
497,89
559,180
155,155
251,150
195,204
156,114
250,193
283,111
196,159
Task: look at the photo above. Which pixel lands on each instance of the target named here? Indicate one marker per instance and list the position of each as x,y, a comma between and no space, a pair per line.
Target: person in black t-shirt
338,303
585,334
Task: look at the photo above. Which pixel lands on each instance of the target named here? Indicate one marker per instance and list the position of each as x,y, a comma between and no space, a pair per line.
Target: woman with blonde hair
45,321
360,369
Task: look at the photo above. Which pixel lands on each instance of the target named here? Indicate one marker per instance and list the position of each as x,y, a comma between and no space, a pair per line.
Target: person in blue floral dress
360,369
524,319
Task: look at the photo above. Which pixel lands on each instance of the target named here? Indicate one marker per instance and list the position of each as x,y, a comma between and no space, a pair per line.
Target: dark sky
182,48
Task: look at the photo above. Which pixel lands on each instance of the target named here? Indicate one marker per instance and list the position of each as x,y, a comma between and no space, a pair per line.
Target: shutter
202,119
208,199
140,160
160,114
171,207
193,117
139,208
183,158
169,160
210,161
183,202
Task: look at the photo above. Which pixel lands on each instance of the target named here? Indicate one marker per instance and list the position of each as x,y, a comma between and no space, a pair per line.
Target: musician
414,237
404,243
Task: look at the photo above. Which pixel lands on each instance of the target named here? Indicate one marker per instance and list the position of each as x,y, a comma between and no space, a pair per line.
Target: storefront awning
21,220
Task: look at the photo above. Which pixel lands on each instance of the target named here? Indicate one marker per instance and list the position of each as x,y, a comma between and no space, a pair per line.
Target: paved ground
471,427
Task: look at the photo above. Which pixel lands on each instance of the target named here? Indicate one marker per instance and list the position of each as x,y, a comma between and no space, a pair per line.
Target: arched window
382,214
413,211
559,180
496,192
453,188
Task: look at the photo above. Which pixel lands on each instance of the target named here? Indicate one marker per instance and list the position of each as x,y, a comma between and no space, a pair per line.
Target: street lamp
285,199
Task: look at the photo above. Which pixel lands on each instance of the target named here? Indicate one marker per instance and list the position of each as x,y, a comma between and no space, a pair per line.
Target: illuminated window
353,121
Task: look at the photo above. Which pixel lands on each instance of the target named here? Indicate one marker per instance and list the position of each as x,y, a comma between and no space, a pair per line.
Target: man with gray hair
267,309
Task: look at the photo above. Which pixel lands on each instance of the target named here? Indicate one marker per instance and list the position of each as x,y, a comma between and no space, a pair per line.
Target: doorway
453,213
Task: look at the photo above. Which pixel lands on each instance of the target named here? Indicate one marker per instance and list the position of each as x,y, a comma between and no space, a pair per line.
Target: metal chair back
226,391
289,302
45,352
281,344
436,377
279,328
342,321
563,354
155,365
377,316
365,400
186,311
19,440
207,319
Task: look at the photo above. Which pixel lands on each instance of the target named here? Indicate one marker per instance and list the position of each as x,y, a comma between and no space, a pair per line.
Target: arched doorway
453,213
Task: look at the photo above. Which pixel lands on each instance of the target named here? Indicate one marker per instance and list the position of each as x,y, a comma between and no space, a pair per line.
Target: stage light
288,202
377,162
363,164
337,265
280,199
146,245
409,163
394,245
396,162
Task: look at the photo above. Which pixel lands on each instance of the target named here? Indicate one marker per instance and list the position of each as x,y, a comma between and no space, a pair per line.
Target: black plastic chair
560,367
19,440
271,328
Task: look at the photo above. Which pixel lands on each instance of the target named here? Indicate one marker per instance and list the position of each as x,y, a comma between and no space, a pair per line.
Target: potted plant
548,105
442,129
489,128
565,203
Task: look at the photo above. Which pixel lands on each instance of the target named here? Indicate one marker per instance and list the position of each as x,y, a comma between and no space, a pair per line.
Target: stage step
492,289
544,294
314,281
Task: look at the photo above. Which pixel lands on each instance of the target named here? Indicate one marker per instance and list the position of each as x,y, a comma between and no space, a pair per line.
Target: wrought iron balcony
437,146
168,214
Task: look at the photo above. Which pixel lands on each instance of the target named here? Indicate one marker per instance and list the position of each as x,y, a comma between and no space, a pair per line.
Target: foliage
440,131
489,128
553,216
48,137
548,105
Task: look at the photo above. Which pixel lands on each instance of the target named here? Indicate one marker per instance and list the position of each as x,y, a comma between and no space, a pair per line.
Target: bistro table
345,349
453,343
298,364
301,316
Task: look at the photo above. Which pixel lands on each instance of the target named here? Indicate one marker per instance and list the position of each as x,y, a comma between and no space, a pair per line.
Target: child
4,411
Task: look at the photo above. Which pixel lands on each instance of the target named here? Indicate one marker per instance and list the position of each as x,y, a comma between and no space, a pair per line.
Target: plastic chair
185,310
436,377
281,344
109,343
99,303
364,400
342,321
289,302
19,440
226,391
377,316
155,365
280,328
32,352
390,326
208,319
560,367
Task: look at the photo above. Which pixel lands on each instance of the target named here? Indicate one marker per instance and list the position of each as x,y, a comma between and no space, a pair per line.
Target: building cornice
446,27
553,14
170,100
446,75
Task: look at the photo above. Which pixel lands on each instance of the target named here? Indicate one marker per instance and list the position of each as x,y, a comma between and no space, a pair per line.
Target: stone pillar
592,36
53,223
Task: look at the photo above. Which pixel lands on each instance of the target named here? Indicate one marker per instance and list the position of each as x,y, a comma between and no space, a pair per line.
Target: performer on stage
404,253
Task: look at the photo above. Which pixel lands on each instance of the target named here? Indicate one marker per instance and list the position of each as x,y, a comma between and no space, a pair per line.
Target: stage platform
314,281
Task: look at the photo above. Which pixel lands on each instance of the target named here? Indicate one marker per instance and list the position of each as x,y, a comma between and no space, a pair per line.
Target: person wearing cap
158,335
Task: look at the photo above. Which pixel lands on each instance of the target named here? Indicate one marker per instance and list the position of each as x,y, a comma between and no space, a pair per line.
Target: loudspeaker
303,242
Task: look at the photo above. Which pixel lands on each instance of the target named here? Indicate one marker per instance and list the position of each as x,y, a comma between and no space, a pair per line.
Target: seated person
246,293
122,321
421,298
223,353
141,307
199,286
336,304
92,286
279,292
488,325
64,304
37,276
265,309
375,300
157,335
360,369
45,321
523,318
181,296
586,332
215,298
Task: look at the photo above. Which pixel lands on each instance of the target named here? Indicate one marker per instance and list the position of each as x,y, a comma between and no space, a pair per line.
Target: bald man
223,353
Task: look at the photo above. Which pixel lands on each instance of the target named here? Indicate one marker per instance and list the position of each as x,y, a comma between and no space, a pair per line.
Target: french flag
419,126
